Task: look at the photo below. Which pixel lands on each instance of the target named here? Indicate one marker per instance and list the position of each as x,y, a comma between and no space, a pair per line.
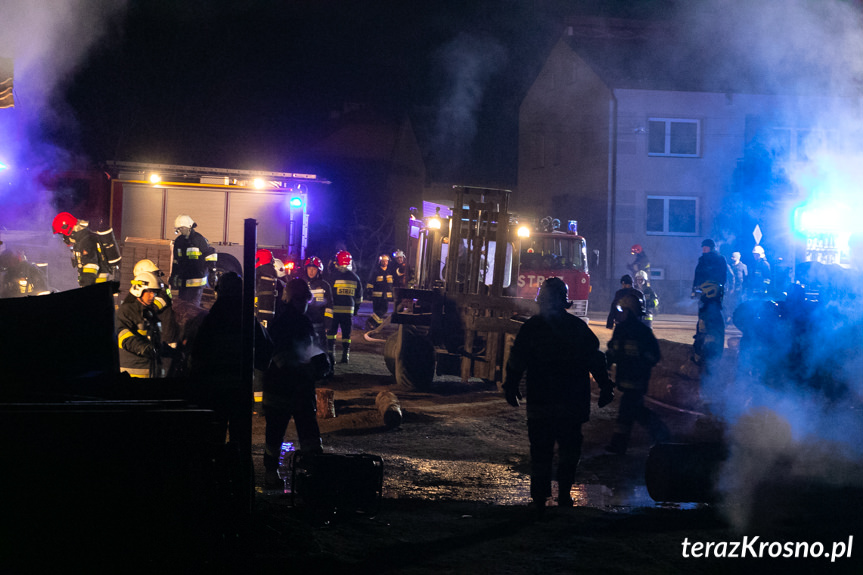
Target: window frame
666,223
667,153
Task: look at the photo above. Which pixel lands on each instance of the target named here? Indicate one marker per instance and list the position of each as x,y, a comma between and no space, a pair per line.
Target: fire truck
476,274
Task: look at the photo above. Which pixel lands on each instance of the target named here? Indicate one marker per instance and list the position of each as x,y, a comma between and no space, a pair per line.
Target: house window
672,216
674,137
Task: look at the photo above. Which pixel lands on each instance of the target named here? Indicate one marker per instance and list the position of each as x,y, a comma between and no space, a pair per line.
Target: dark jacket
711,267
347,291
609,322
137,336
85,252
321,306
380,284
193,258
290,371
558,352
634,349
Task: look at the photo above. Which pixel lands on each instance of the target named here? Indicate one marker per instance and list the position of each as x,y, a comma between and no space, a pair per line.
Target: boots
331,353
346,352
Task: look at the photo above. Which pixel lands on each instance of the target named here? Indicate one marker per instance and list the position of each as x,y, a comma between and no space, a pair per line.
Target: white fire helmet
758,250
145,266
280,267
184,221
143,282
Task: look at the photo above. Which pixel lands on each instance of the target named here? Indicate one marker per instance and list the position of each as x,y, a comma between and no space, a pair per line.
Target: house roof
661,56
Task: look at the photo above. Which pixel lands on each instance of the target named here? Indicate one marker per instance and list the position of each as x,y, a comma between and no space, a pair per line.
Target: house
648,138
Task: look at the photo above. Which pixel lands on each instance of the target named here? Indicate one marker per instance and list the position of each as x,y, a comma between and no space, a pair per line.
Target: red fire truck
547,251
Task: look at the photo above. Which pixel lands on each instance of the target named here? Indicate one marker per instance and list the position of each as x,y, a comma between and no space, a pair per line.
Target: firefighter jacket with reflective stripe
321,306
165,315
380,285
85,252
266,290
347,291
137,336
634,349
193,259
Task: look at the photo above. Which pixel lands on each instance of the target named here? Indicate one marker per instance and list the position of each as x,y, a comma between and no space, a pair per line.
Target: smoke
48,41
466,66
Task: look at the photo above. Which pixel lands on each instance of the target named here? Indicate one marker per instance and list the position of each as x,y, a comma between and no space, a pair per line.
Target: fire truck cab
546,251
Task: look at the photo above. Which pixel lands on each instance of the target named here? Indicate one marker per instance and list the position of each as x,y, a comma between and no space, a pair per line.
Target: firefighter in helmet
193,258
380,286
641,261
559,352
347,296
265,286
163,303
138,332
651,300
625,289
86,255
320,309
400,270
634,351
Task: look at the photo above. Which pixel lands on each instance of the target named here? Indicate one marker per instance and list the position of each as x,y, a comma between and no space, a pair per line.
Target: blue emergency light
297,202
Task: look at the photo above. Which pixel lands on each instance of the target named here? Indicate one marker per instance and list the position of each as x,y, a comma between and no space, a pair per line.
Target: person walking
559,353
347,296
625,289
380,286
651,300
634,351
738,276
193,257
289,382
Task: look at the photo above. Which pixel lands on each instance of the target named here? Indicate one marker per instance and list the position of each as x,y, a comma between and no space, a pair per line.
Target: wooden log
388,406
326,403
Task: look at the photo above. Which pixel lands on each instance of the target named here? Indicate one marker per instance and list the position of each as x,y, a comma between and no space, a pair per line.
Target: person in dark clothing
193,257
737,282
625,289
711,267
634,350
289,382
265,286
347,296
380,287
559,352
320,309
138,335
651,300
216,357
641,262
760,277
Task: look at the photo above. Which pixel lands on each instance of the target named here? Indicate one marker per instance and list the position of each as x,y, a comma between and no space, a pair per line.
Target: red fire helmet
636,249
344,258
314,262
63,223
263,257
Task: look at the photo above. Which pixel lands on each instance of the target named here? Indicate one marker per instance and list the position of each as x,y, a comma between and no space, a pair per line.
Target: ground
455,493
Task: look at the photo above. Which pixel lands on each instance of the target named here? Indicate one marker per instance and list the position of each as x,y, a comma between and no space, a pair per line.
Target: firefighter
711,267
320,309
760,276
559,352
634,350
380,286
400,270
651,300
86,256
138,334
641,261
709,338
265,286
347,296
163,302
625,289
193,258
281,279
289,383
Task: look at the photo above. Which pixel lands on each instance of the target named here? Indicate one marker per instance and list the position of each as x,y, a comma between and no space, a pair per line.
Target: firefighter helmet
184,221
711,290
314,262
280,267
344,258
636,249
631,303
263,257
758,250
145,281
384,259
298,289
145,266
554,293
641,275
63,223
398,254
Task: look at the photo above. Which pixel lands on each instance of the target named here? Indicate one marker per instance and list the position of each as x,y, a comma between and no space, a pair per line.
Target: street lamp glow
258,183
155,178
523,232
434,223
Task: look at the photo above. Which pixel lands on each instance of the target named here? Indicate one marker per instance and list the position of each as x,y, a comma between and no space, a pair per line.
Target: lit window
674,137
672,216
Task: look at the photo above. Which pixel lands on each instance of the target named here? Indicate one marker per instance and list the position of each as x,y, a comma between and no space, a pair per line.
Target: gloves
512,397
606,396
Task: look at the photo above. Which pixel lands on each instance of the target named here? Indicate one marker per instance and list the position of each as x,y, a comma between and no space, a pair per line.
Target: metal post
244,436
